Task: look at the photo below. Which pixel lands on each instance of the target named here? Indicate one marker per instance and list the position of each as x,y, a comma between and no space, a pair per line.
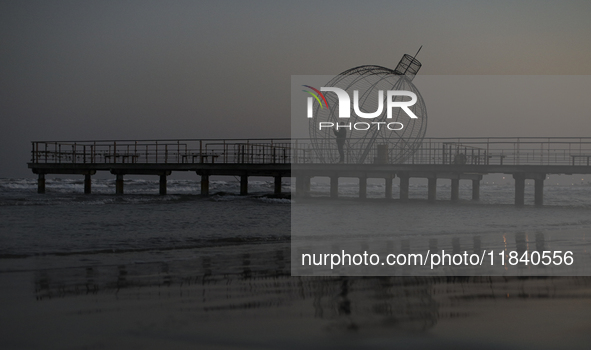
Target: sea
66,228
226,259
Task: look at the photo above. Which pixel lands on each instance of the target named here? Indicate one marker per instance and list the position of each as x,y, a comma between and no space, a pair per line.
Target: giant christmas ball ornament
387,140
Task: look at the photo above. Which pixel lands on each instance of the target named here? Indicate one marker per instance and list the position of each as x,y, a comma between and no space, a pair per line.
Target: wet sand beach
244,297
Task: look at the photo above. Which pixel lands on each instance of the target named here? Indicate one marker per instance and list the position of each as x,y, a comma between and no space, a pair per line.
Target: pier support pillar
41,183
87,184
277,187
243,185
455,190
404,185
432,194
302,186
299,186
205,185
519,189
362,187
475,190
162,184
119,184
334,186
388,188
539,191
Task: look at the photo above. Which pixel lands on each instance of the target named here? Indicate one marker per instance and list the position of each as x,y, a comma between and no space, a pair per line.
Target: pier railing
460,151
252,151
504,151
474,151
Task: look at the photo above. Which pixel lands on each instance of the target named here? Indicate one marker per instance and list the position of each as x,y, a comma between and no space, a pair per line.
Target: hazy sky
76,70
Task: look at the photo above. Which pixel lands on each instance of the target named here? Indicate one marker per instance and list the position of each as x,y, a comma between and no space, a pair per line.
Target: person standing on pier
341,135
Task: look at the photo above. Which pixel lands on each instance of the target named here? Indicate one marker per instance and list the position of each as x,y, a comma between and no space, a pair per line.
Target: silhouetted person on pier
341,135
460,159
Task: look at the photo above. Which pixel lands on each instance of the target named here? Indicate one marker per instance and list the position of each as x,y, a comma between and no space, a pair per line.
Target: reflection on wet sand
228,284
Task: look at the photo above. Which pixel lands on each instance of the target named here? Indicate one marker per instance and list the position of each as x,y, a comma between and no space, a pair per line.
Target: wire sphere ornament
376,140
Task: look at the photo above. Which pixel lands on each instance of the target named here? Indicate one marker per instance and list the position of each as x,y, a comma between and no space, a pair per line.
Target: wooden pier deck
435,158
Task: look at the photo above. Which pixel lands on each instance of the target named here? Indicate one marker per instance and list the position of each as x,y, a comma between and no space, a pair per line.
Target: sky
91,70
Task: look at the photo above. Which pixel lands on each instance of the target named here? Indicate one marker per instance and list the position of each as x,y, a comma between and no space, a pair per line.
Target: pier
435,159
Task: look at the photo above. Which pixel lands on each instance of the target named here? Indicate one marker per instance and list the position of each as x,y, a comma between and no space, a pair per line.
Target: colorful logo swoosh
316,96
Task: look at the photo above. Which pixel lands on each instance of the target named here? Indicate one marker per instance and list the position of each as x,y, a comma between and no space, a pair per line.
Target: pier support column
277,187
432,194
404,185
455,190
334,186
162,184
302,186
388,188
119,184
519,189
362,187
539,191
205,185
41,183
299,186
87,184
243,185
475,190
